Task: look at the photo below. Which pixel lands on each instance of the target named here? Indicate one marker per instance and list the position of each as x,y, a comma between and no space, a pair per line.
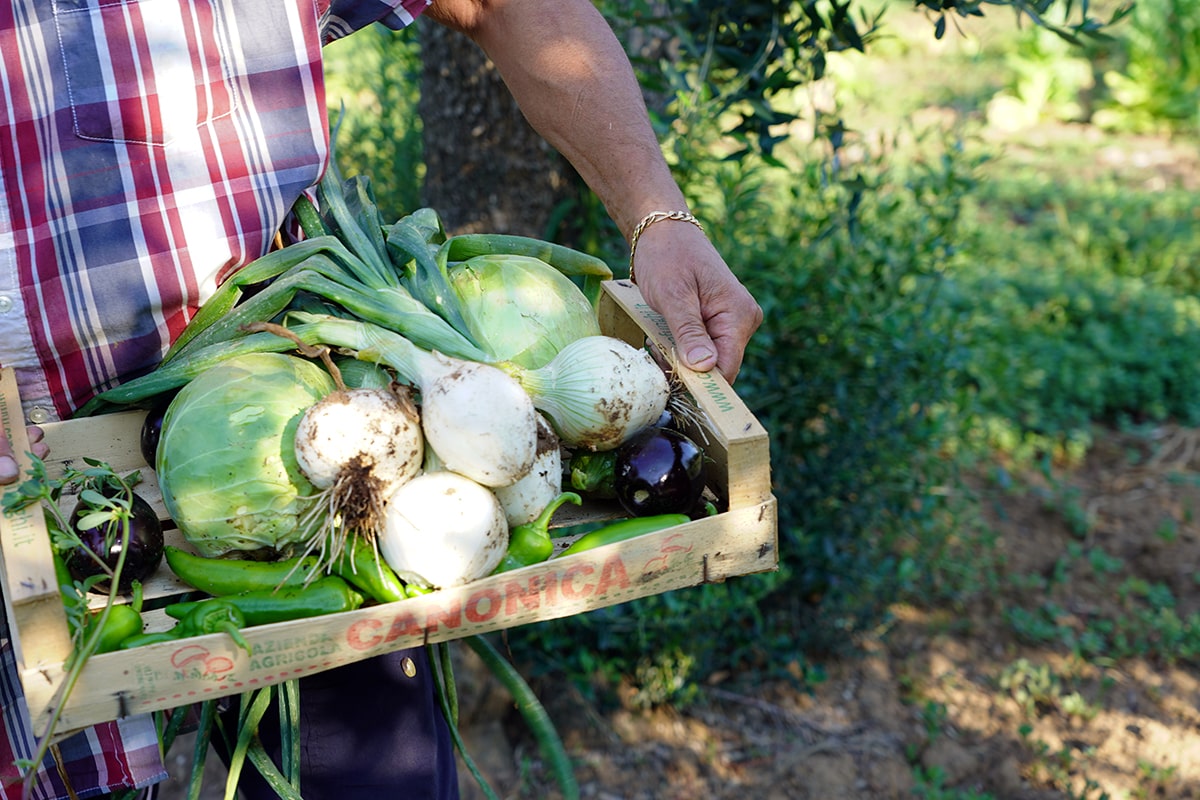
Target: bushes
853,373
1055,351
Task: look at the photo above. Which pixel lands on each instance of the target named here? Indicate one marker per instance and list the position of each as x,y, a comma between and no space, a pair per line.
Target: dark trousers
368,731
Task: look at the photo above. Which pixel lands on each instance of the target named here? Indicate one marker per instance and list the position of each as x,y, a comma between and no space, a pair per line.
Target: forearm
574,84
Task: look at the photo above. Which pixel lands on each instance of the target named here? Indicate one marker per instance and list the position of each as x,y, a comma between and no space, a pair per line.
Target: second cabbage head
521,309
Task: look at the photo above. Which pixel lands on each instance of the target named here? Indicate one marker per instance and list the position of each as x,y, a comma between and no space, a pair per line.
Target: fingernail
8,469
701,356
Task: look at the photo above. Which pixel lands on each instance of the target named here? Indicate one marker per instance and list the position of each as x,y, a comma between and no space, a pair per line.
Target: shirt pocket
143,71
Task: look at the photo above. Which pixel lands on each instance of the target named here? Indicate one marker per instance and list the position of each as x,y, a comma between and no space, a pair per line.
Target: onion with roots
357,446
476,417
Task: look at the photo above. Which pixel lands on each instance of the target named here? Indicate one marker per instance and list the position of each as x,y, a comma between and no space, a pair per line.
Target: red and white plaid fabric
148,149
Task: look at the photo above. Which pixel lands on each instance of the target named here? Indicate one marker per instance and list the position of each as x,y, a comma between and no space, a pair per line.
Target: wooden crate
738,541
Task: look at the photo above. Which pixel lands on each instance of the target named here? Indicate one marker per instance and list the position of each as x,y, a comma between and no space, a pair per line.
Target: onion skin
598,392
524,500
373,427
480,422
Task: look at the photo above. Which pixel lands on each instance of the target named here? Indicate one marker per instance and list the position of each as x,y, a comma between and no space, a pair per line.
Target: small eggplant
660,471
104,540
152,429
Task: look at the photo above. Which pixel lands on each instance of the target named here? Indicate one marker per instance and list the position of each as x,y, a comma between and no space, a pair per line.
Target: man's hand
711,315
9,470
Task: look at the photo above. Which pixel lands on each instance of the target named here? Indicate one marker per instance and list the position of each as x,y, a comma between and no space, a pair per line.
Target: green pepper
592,473
625,529
224,576
360,565
530,543
329,595
204,617
122,622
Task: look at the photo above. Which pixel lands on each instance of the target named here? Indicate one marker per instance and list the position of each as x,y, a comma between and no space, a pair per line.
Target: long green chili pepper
224,576
623,530
329,595
360,565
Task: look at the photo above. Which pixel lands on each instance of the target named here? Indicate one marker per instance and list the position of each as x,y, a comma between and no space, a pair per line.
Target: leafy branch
109,500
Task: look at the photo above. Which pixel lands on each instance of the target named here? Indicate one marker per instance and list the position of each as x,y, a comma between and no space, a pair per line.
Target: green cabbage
226,460
521,309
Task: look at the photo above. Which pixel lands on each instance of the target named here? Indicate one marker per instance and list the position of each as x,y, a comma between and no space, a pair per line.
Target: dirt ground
937,691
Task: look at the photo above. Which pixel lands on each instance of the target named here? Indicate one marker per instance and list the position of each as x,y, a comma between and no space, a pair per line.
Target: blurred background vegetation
969,285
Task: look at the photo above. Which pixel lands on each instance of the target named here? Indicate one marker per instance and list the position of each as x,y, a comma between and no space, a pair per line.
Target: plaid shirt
148,149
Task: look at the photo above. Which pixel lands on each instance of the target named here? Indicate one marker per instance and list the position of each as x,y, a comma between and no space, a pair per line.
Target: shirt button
6,304
410,668
37,414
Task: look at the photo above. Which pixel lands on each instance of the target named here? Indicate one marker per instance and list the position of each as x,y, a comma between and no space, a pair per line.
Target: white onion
371,427
442,529
478,420
358,446
598,391
524,500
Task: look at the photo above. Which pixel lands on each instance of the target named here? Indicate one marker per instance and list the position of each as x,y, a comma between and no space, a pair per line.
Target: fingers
10,470
35,434
710,314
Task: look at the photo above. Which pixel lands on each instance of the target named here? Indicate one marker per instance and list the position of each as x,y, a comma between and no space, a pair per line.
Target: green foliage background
926,306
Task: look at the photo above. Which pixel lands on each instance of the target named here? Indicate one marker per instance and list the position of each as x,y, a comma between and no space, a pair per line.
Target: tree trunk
486,169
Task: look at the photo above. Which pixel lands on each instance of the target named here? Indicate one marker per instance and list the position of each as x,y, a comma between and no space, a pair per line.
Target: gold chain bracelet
650,219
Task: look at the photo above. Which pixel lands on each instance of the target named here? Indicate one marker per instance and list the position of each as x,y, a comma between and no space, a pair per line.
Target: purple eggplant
152,429
104,540
659,471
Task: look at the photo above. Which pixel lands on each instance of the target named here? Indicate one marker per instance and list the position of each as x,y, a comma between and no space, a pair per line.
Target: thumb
694,347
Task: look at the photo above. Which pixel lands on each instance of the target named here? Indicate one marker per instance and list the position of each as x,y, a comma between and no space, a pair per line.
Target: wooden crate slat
168,674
